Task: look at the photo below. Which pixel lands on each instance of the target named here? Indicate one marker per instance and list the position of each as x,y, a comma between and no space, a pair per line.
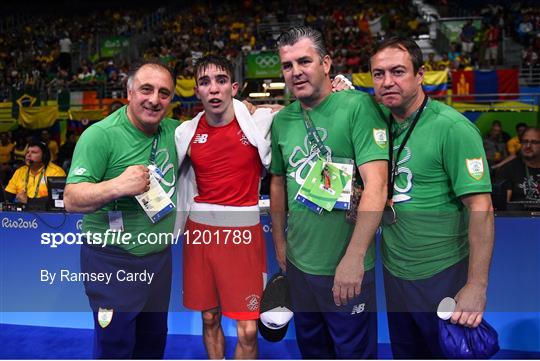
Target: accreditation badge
116,221
323,186
155,202
346,166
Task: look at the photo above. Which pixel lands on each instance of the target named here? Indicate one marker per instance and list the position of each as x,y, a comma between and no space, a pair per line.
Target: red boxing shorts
224,267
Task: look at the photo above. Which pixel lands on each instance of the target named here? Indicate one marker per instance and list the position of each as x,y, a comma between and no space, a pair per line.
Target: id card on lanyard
155,202
328,184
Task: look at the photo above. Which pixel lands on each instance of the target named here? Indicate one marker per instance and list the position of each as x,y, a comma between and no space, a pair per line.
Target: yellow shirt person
30,180
34,184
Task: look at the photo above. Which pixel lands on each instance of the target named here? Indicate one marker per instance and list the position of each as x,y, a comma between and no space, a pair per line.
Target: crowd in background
39,51
231,29
46,50
57,51
519,20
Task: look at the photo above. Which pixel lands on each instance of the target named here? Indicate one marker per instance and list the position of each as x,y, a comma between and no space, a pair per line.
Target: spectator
111,68
30,180
468,33
431,64
514,144
505,135
522,175
66,151
6,149
464,62
51,143
525,30
22,139
65,52
494,145
444,63
492,39
453,54
530,57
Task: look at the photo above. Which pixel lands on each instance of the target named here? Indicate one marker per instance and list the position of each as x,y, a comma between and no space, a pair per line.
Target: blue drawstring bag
460,342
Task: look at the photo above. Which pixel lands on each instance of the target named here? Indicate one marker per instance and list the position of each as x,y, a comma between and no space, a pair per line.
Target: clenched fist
134,180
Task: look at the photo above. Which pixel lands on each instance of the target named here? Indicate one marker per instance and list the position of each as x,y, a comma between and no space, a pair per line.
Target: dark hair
46,157
519,125
297,33
154,63
403,43
219,62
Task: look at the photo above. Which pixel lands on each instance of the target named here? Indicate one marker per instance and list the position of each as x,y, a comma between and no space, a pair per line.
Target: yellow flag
38,117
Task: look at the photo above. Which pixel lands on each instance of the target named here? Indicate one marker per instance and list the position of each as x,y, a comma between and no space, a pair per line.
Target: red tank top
227,167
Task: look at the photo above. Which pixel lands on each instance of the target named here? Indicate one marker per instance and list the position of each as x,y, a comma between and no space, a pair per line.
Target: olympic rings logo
267,61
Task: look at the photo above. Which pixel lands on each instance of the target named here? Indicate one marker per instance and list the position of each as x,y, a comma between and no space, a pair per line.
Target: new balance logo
200,138
358,309
79,171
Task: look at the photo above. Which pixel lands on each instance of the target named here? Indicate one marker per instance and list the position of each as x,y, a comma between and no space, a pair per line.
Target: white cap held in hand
446,308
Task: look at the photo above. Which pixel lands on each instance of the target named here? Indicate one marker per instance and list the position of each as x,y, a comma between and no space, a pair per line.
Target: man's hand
350,270
134,180
22,197
274,107
347,280
252,107
281,251
340,83
471,303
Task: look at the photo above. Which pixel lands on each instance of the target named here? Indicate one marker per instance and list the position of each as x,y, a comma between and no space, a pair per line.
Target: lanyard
314,138
41,174
153,152
392,164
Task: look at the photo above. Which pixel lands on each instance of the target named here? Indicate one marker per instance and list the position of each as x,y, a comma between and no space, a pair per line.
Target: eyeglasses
531,142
